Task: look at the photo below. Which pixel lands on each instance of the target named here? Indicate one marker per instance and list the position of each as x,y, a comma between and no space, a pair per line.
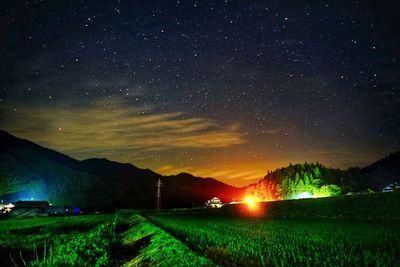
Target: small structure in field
391,188
23,208
6,208
214,203
31,204
41,208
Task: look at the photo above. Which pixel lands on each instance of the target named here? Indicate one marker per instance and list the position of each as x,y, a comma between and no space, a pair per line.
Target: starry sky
224,89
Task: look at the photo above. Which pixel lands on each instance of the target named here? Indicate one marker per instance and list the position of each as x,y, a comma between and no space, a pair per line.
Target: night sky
227,89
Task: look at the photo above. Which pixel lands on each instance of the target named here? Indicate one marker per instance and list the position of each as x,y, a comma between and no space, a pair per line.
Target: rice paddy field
291,242
346,231
122,239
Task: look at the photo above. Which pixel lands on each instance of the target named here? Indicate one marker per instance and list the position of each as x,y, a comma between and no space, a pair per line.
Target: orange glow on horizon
251,206
251,202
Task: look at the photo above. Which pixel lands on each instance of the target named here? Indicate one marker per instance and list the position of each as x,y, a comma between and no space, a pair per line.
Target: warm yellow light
251,206
251,202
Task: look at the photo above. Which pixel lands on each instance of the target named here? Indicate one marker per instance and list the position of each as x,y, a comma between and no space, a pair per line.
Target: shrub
87,249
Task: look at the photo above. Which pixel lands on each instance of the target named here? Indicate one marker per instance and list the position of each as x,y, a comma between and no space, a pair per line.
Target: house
31,204
24,208
6,208
62,210
391,188
55,210
214,203
38,208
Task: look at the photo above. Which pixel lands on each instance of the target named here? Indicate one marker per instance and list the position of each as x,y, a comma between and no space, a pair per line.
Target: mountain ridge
100,183
26,166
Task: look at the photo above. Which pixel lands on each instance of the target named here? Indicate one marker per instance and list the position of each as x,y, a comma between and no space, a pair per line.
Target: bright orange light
251,206
251,202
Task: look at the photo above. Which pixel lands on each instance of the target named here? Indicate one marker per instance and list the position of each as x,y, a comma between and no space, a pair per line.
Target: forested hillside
313,179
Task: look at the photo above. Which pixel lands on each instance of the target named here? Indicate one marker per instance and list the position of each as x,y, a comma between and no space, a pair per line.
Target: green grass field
360,230
26,232
32,241
346,231
291,242
123,239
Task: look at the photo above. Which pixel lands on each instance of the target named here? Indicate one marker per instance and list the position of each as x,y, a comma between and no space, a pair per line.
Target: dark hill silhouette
30,169
195,189
41,172
383,172
96,183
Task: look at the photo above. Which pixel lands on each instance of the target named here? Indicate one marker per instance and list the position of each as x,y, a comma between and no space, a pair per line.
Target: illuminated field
359,230
294,242
27,232
92,240
341,231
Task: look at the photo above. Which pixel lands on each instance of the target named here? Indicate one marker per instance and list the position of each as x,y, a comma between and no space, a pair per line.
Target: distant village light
6,208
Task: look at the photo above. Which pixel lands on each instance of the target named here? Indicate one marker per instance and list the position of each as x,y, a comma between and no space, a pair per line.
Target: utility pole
158,195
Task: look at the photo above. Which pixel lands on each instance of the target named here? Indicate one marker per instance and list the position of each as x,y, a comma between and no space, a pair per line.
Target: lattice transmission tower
158,194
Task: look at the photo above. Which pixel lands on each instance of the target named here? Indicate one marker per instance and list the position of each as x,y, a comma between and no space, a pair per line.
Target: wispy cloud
112,126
